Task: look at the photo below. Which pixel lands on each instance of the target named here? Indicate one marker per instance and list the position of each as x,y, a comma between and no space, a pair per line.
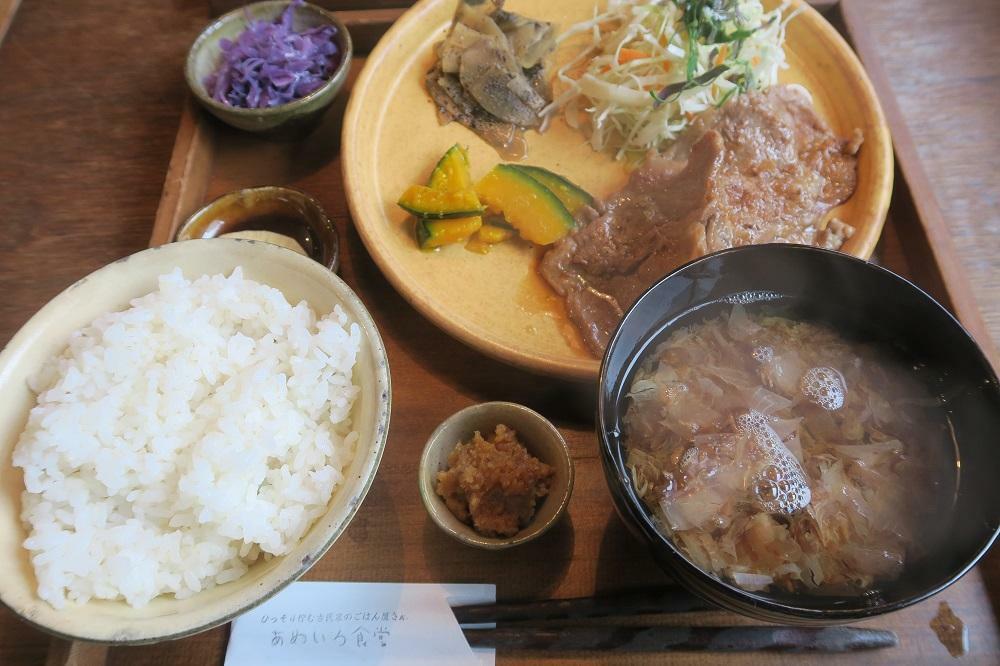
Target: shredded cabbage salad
645,69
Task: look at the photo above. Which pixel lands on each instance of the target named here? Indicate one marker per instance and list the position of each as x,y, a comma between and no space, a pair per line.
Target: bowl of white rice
183,433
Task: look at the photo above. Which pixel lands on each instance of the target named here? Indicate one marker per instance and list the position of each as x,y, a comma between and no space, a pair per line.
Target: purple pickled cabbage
270,64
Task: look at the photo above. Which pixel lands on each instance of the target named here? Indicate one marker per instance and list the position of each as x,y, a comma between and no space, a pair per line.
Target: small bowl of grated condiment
269,64
496,475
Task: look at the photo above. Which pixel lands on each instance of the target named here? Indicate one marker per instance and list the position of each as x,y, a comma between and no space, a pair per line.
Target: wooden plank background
80,177
222,6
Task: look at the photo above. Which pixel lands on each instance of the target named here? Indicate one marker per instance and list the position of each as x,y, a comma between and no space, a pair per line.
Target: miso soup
777,454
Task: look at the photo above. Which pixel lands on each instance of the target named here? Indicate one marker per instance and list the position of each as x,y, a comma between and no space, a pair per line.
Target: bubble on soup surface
674,390
690,457
781,486
698,462
763,354
748,297
824,387
756,423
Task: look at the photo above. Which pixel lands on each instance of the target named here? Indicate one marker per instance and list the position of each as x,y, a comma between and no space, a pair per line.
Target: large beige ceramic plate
110,289
497,303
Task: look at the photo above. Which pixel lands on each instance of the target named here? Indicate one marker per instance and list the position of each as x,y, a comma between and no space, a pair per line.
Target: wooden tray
590,551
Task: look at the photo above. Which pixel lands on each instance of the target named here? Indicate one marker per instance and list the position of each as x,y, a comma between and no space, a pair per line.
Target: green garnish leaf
725,98
706,24
675,89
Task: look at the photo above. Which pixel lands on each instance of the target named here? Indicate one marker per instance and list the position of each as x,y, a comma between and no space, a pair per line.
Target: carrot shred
628,55
723,52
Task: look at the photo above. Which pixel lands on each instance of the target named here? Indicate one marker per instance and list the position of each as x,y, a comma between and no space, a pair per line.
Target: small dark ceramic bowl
863,302
279,210
203,58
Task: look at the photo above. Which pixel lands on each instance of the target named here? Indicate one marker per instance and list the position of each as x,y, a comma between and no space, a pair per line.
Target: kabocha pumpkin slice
478,246
530,207
571,195
488,236
427,202
433,234
493,234
447,210
452,171
451,174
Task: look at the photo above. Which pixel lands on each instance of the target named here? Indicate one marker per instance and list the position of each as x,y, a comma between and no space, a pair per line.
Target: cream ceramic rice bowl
110,289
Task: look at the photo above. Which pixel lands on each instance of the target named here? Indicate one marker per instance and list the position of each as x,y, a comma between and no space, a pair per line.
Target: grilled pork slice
763,169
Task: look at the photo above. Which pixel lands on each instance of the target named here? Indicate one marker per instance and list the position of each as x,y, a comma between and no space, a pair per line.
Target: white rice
177,441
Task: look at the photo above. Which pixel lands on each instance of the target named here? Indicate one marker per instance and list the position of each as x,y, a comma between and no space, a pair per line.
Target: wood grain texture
222,6
75,653
8,8
87,123
80,174
922,204
949,103
368,25
184,185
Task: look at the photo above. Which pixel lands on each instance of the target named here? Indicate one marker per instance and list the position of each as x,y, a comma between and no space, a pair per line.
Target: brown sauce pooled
535,297
494,484
286,213
950,630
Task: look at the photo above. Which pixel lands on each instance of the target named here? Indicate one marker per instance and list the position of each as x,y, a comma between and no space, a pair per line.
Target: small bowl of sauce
277,215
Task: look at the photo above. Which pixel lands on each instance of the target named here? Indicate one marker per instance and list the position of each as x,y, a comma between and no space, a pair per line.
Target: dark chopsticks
649,638
641,602
699,639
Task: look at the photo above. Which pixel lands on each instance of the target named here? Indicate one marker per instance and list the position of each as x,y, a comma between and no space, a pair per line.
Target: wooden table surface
90,96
